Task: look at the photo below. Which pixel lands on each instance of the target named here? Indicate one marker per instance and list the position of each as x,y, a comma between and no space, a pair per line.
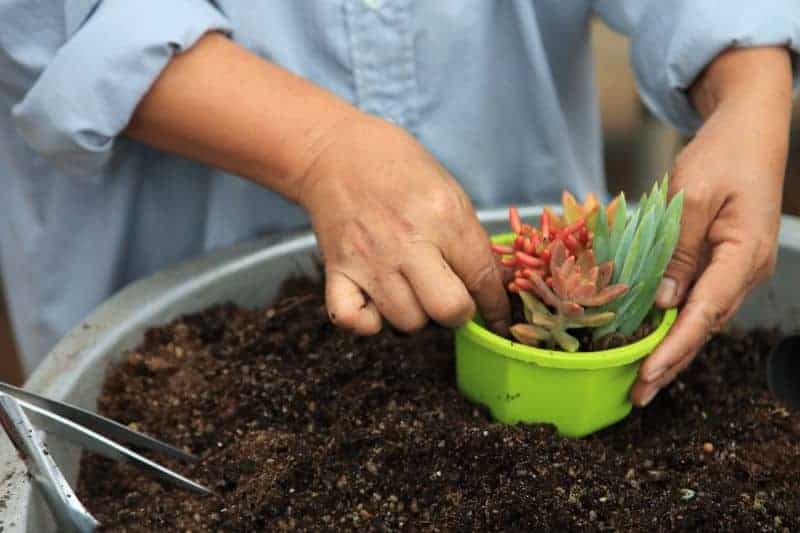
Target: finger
643,393
714,299
474,263
442,294
698,211
348,307
396,301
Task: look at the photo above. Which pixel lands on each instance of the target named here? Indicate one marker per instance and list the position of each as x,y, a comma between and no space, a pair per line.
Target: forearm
755,78
750,90
220,104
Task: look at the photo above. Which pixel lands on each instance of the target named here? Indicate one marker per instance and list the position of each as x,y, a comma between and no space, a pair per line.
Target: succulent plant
532,247
641,247
576,285
591,267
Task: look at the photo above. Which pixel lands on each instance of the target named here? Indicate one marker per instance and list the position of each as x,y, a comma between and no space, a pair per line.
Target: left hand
732,176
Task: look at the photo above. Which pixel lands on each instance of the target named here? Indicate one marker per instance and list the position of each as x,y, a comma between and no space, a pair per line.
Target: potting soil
300,425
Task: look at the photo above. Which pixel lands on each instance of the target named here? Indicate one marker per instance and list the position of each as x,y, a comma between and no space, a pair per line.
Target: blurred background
638,148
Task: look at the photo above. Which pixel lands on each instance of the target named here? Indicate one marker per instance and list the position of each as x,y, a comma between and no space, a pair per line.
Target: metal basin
250,275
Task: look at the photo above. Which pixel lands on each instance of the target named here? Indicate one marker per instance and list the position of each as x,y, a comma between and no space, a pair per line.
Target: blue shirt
500,91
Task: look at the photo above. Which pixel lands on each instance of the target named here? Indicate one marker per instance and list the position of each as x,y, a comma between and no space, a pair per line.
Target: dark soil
300,425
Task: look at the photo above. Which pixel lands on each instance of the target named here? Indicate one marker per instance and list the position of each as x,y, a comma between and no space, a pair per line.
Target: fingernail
666,292
653,375
649,398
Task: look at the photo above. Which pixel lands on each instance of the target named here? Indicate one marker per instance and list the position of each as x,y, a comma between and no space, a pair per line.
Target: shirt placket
381,34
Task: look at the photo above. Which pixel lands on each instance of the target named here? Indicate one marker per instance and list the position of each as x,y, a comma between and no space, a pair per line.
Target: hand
398,236
732,176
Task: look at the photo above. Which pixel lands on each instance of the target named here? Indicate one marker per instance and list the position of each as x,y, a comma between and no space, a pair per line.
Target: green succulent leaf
592,320
670,231
625,243
655,194
640,248
529,334
533,304
528,315
659,203
601,244
565,340
641,303
618,227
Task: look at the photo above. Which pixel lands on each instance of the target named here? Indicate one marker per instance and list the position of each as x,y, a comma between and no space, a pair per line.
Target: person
125,123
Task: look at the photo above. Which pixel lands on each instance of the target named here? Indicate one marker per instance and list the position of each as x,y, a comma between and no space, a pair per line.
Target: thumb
689,252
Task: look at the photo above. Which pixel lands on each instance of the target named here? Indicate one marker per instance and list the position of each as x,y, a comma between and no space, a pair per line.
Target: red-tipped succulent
532,248
566,299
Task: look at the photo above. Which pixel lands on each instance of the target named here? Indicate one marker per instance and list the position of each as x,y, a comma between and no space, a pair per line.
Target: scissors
83,428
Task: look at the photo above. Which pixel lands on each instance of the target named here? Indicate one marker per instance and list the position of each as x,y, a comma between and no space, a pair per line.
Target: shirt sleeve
672,42
90,88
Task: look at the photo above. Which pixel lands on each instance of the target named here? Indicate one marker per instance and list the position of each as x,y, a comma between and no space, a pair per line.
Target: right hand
398,236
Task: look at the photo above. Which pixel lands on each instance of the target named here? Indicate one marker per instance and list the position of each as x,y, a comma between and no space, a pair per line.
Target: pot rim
622,355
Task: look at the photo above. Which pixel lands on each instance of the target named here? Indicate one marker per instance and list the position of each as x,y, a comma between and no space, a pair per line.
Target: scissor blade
68,512
88,439
99,424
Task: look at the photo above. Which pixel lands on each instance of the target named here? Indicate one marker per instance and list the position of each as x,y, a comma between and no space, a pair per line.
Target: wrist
292,161
336,149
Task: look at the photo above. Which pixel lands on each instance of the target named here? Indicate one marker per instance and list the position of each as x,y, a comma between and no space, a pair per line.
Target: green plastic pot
578,392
